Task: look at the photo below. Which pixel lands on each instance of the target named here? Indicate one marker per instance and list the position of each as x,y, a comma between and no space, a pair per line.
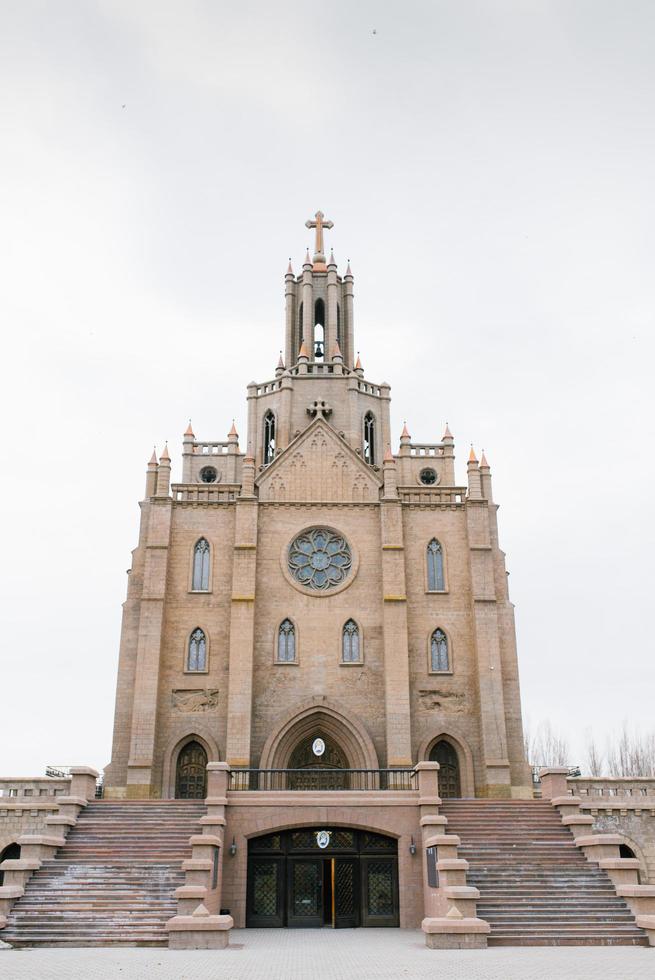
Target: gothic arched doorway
191,772
317,752
449,781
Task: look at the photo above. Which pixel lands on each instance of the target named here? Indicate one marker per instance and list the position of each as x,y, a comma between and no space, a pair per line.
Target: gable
319,467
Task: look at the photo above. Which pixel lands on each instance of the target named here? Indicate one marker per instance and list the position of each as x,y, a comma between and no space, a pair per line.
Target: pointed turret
307,264
348,274
473,473
151,474
233,434
405,434
332,262
289,271
389,474
447,434
189,431
485,478
280,366
164,474
358,366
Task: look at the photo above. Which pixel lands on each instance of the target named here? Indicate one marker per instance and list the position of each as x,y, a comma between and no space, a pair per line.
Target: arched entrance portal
317,752
322,876
191,772
449,781
10,853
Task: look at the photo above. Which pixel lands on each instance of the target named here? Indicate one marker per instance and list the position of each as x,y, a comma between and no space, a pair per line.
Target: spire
332,261
447,434
358,363
165,458
483,461
153,458
280,361
289,270
388,455
233,431
472,457
303,350
405,434
348,272
189,430
308,261
336,350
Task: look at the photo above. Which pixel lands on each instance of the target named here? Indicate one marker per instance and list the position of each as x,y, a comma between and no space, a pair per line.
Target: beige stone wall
254,814
25,803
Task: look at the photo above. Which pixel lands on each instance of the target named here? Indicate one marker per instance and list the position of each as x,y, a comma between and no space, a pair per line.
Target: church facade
322,577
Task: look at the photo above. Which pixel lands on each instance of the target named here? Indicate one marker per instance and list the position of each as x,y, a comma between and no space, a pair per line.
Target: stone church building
320,582
318,718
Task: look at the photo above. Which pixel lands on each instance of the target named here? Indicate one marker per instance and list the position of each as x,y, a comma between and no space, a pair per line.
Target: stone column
396,646
308,307
149,639
291,352
331,312
348,348
242,623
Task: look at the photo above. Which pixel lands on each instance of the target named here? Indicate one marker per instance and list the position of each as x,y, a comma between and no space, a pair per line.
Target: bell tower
319,306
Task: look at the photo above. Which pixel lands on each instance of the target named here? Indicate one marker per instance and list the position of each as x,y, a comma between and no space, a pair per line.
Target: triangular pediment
319,467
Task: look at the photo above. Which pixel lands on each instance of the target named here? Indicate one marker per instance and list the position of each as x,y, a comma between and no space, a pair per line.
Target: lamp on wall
233,847
412,846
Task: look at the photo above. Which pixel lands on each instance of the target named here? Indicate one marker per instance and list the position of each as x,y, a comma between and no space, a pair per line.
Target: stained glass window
369,438
286,642
201,566
435,567
320,559
350,642
439,651
197,656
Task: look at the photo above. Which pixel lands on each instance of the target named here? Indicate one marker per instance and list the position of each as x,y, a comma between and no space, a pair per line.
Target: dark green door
379,891
345,885
265,906
305,892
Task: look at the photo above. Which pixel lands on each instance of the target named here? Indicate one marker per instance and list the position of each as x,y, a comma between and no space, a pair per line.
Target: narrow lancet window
350,642
269,437
319,330
435,567
369,438
201,566
286,642
197,655
439,659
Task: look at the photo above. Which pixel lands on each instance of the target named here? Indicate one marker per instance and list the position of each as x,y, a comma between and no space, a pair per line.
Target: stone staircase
536,887
113,882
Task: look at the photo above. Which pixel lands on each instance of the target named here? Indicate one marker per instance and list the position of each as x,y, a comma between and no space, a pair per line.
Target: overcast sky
489,167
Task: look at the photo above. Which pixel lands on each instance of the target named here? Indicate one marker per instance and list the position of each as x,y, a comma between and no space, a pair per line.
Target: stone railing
433,496
426,449
28,790
626,790
211,448
205,493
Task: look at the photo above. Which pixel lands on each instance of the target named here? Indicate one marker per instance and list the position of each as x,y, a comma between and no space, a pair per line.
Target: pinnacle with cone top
348,272
303,351
233,431
280,362
388,455
153,458
189,430
307,261
290,270
447,433
336,350
405,434
358,365
332,261
164,456
472,456
483,461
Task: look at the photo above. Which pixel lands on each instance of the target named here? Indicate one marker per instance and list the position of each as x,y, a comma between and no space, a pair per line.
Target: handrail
321,779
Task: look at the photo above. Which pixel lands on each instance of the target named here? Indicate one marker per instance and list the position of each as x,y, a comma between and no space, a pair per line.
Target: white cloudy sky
489,169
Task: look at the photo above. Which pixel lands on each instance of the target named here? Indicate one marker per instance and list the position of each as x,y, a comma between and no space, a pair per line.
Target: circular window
428,476
320,559
208,474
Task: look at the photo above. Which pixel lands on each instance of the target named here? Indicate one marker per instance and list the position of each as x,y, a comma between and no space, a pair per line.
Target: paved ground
311,954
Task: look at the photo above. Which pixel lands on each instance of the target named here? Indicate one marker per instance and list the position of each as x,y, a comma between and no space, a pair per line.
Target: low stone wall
622,806
25,802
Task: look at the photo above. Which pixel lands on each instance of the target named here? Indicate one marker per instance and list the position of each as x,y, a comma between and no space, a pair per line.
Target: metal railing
336,780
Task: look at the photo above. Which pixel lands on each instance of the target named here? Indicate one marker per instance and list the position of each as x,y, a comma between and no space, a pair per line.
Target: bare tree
595,761
631,753
545,747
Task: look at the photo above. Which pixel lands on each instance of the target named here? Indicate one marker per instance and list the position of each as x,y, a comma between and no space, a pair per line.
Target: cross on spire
319,223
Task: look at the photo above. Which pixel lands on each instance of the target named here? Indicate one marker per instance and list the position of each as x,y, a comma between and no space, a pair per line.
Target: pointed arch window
350,646
201,555
339,324
269,437
300,327
319,330
369,438
435,567
197,653
439,653
286,642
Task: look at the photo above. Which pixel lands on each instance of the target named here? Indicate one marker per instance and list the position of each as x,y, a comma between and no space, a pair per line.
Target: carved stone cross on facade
319,223
320,408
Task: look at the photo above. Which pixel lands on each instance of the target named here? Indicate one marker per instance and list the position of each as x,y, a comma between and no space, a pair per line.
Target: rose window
320,559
